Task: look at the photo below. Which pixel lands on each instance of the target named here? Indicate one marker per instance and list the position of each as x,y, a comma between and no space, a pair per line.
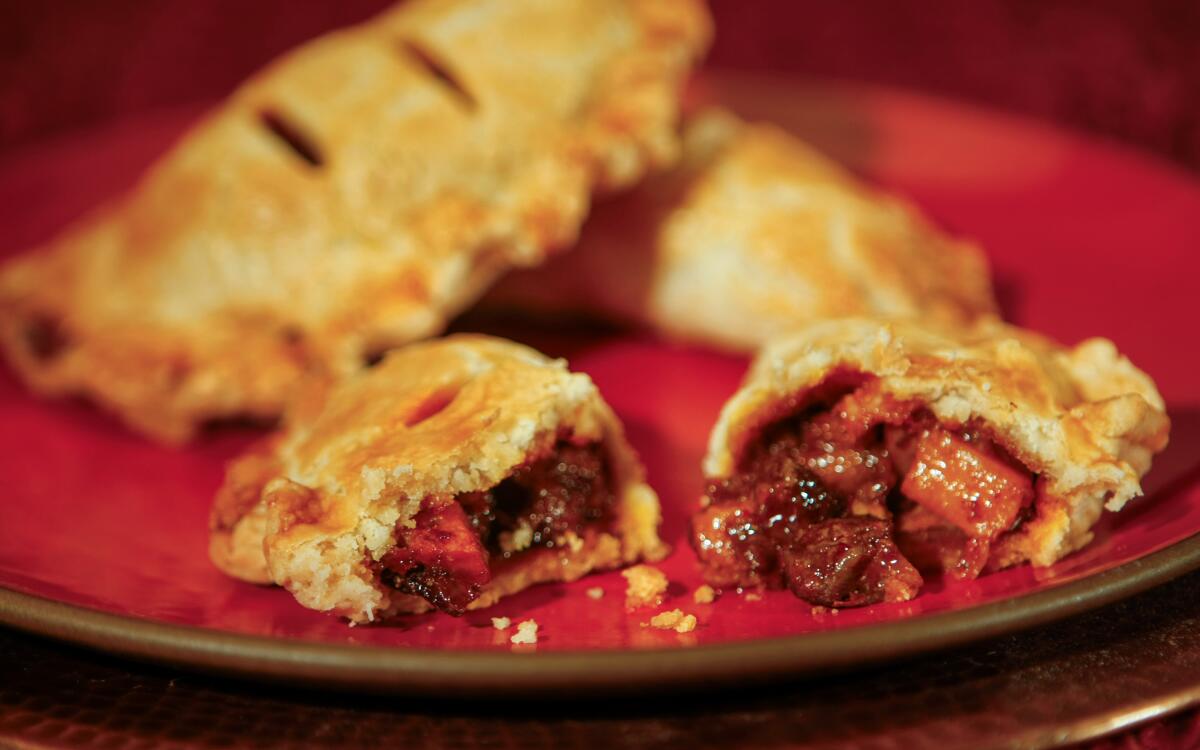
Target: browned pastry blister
754,234
348,198
860,455
454,472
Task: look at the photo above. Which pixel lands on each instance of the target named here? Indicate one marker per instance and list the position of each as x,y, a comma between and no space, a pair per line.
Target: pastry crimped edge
1084,418
304,508
166,378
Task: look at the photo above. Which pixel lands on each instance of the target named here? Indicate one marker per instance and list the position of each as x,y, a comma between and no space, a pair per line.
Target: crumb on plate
595,592
501,623
526,632
753,596
674,620
645,586
704,594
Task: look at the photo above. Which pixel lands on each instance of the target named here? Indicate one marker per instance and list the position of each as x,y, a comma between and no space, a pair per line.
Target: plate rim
477,673
438,672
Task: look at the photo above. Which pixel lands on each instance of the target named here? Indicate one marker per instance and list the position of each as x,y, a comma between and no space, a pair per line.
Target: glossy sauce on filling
447,557
845,505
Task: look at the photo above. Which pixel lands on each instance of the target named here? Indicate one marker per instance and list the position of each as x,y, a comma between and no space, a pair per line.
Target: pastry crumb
517,540
595,592
675,620
819,610
501,623
645,586
704,594
526,632
753,596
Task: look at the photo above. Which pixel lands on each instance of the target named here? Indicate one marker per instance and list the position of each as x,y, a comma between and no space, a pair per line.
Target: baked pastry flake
860,453
454,472
350,197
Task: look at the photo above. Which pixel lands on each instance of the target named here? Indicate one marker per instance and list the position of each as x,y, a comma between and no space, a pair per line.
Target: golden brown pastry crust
1084,419
431,148
433,419
752,235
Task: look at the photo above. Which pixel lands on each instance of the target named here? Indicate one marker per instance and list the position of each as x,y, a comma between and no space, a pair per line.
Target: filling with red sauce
847,505
447,557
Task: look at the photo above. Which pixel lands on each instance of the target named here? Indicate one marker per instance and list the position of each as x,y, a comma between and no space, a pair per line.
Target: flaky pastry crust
312,507
1083,419
753,234
350,197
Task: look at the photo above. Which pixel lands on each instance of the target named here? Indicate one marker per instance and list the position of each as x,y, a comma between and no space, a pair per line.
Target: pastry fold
349,197
453,473
753,234
859,454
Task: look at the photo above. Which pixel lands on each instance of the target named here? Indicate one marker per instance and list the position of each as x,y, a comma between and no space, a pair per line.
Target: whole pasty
348,198
454,472
753,234
859,453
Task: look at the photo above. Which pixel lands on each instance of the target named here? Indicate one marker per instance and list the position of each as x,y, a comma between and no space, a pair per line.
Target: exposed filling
844,505
547,502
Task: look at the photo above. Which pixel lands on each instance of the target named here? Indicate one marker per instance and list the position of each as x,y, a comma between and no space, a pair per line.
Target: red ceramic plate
103,535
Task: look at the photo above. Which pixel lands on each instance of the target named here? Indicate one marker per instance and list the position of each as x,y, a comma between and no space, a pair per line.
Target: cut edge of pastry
1083,421
296,562
327,550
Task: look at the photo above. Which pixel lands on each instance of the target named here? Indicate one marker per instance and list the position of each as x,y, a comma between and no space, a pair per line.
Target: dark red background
1125,69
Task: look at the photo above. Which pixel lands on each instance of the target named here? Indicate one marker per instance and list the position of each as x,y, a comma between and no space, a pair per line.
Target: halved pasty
348,198
755,233
860,453
454,472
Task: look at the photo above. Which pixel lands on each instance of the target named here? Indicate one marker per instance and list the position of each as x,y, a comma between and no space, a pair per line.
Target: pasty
348,198
860,454
454,472
753,234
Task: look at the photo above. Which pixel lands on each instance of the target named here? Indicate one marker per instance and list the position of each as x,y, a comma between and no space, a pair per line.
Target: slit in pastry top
438,70
862,457
292,137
